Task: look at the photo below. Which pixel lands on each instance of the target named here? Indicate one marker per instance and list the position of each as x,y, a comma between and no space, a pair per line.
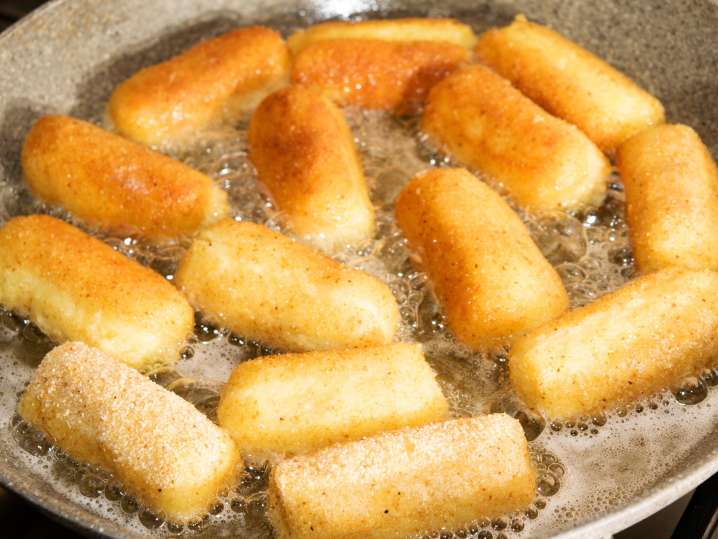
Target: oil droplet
484,534
174,528
150,520
540,504
235,340
548,484
710,377
91,485
599,420
532,513
238,505
128,504
187,352
216,509
555,426
197,525
692,392
113,492
517,525
556,469
532,423
499,524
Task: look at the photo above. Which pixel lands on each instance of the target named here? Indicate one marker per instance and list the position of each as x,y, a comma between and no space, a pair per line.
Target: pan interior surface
613,471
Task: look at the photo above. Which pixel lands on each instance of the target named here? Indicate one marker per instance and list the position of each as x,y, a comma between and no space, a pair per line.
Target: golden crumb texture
116,185
160,448
213,80
570,82
646,336
291,404
489,276
377,73
267,287
304,154
542,162
671,187
406,482
408,30
75,287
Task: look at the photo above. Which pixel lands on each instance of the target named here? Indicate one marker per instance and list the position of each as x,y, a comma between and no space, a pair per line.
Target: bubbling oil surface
585,467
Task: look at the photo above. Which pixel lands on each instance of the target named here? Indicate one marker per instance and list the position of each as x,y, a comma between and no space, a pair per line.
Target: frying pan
67,56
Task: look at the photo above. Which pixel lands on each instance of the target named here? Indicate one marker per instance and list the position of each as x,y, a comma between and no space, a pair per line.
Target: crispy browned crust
304,154
408,29
377,74
653,332
491,279
671,189
544,163
114,184
75,287
168,101
570,82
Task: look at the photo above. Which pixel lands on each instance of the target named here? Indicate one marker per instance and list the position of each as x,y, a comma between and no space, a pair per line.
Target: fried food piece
166,103
650,334
544,163
671,188
117,185
267,287
375,73
74,287
570,82
304,153
409,29
295,403
158,446
489,276
401,483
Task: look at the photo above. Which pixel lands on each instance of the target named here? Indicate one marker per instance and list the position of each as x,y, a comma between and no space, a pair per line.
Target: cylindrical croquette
75,287
304,154
117,185
570,82
376,73
166,103
646,336
489,276
409,29
405,482
162,450
290,404
671,189
267,287
544,163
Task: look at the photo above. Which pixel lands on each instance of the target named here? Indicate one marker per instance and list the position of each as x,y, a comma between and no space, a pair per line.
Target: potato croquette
74,287
569,82
410,29
117,185
377,74
294,403
161,449
166,103
544,163
644,337
269,288
405,482
489,276
671,188
304,154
